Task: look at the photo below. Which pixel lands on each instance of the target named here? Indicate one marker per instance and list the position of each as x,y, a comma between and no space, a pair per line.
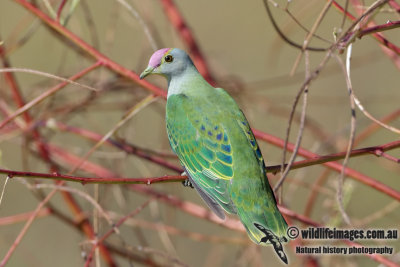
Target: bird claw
187,183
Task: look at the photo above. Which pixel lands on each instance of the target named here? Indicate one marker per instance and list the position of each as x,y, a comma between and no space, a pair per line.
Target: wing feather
204,149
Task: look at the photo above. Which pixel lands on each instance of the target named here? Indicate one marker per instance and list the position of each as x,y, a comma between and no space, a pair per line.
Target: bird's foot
274,240
187,182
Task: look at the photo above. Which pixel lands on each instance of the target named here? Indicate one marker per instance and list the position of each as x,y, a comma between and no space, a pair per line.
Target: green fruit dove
218,150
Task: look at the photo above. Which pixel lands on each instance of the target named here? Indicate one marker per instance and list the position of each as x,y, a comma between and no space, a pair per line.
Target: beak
146,72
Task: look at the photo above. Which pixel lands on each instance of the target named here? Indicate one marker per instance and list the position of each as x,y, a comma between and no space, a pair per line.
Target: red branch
91,50
177,20
108,179
379,28
23,216
113,229
50,92
332,165
377,36
10,79
93,180
125,147
394,5
18,98
373,127
44,153
375,150
60,8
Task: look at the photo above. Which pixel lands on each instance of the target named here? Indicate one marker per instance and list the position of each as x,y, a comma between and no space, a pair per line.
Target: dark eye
169,58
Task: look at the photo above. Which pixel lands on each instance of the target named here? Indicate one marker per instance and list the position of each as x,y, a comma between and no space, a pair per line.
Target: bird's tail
275,241
265,224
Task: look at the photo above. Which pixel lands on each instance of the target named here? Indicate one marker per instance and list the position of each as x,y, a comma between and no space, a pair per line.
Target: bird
217,149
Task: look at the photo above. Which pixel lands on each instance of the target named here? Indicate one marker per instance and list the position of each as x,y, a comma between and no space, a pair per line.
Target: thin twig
134,110
374,150
142,23
346,8
25,228
44,154
392,51
158,158
311,201
21,217
173,230
304,28
376,35
346,71
301,128
76,192
314,28
60,8
379,214
373,127
305,85
332,165
3,189
112,230
49,75
369,116
89,50
49,92
283,36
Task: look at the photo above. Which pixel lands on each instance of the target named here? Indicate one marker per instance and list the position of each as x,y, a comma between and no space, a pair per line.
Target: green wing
215,144
241,120
204,149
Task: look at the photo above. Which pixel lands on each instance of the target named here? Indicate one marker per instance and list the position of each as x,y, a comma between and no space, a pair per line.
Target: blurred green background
252,63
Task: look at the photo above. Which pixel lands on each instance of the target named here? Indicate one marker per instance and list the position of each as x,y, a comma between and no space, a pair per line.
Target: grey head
169,62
